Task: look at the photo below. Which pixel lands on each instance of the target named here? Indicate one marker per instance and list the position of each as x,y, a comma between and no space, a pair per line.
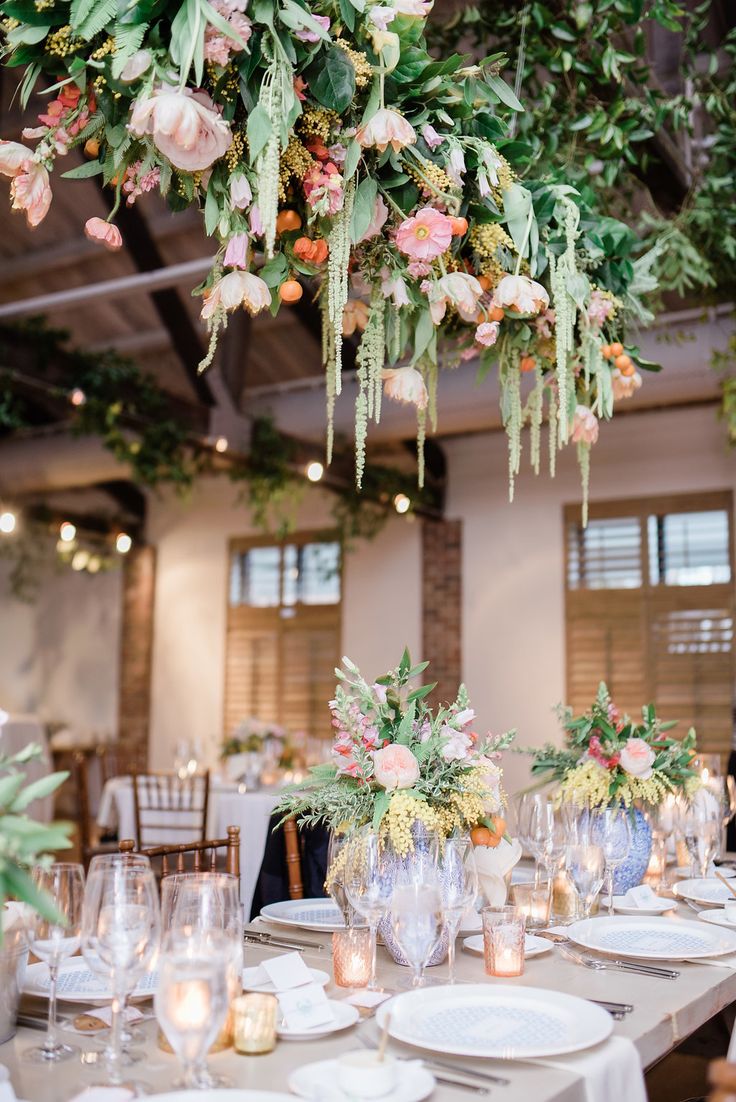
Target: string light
221,444
77,397
94,564
80,560
123,543
7,523
315,470
67,531
402,503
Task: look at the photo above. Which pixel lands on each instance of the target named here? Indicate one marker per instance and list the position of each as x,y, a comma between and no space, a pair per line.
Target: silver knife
460,1085
646,969
471,1072
277,943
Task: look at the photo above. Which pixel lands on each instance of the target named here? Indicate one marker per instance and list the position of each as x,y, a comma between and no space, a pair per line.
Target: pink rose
185,126
637,758
395,767
425,236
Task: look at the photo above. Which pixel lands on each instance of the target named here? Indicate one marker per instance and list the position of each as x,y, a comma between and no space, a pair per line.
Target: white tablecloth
227,807
15,734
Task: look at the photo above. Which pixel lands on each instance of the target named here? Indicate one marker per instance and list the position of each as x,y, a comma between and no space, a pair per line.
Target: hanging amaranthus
369,360
535,412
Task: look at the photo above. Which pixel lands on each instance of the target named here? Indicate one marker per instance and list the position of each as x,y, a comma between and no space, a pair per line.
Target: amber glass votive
534,903
503,940
254,1023
352,951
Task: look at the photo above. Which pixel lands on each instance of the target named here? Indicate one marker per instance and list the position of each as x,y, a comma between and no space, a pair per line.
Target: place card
641,896
368,999
284,972
305,1007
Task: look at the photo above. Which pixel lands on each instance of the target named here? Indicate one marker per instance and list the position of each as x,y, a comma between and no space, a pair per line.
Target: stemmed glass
120,934
610,828
663,818
586,864
205,901
458,881
547,836
417,922
368,885
192,999
700,824
337,853
52,939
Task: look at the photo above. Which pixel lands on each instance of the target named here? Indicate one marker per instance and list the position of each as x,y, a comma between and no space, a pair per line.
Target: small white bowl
730,908
362,1075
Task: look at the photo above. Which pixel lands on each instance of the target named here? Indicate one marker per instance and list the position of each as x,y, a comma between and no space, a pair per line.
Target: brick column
442,604
136,647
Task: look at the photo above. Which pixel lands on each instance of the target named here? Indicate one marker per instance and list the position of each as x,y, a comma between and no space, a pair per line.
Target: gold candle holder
352,952
254,1023
503,940
534,903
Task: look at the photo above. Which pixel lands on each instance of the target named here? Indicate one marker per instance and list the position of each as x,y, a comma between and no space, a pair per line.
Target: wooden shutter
650,641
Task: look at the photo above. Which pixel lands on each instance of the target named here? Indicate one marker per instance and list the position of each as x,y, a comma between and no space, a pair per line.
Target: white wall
59,654
381,605
513,584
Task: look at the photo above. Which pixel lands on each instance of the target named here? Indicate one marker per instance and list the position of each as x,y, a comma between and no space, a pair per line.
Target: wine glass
120,933
368,885
700,824
192,999
55,935
547,835
458,881
611,830
337,853
663,818
205,901
586,865
417,921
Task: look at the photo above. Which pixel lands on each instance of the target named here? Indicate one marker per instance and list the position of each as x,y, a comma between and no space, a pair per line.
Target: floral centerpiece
251,745
326,146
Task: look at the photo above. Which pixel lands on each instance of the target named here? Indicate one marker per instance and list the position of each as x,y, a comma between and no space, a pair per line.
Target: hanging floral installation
326,146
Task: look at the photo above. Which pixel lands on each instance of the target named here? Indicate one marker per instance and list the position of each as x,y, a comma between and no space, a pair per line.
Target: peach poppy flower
31,193
387,127
584,426
519,293
97,229
457,289
185,126
425,236
405,384
237,289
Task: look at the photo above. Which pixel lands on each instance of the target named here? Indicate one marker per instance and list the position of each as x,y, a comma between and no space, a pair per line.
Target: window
283,633
650,606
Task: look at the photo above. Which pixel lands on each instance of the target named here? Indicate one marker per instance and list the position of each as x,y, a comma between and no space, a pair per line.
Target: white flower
521,294
405,384
458,744
136,66
237,289
394,287
458,288
387,127
456,165
241,195
380,17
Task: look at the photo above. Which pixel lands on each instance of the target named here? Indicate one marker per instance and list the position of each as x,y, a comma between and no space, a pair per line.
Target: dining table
664,1013
230,804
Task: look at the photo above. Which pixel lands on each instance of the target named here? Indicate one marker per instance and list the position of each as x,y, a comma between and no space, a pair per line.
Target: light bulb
94,564
80,560
77,397
221,444
402,503
315,470
123,543
67,531
7,523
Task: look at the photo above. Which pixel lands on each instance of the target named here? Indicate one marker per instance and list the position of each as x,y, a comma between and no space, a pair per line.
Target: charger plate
309,914
497,1021
652,938
78,983
704,890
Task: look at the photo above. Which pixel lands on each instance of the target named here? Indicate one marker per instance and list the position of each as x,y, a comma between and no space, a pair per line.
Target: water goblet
368,885
547,835
586,865
55,935
417,922
457,877
611,830
700,825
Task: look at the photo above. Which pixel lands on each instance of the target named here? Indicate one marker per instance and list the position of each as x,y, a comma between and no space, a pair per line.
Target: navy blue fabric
272,885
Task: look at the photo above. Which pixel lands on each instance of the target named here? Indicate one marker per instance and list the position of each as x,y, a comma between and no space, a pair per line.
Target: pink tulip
405,384
378,221
236,253
185,126
519,293
425,236
97,229
31,193
387,127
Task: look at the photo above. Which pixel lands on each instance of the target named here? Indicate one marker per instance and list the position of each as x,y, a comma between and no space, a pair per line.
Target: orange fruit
288,220
481,836
496,313
484,282
527,363
290,290
498,825
616,349
459,226
606,351
623,362
91,147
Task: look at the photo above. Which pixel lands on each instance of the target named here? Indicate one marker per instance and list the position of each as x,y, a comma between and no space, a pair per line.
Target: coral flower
425,236
584,426
624,386
519,293
31,193
387,127
97,229
13,157
237,289
185,126
311,252
405,384
354,316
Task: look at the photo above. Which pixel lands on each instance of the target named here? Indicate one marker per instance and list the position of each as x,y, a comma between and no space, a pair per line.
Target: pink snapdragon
600,308
426,235
135,184
323,188
218,47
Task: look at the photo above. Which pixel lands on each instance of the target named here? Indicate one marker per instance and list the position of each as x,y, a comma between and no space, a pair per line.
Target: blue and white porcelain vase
632,869
409,867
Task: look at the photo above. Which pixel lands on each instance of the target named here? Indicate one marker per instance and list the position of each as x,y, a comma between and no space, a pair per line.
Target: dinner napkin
7,1094
493,866
610,1072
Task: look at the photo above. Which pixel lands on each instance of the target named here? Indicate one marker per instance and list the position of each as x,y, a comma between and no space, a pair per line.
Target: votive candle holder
352,953
503,940
254,1023
534,902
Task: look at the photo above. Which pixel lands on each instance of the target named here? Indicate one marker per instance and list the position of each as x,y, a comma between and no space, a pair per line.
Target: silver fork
599,965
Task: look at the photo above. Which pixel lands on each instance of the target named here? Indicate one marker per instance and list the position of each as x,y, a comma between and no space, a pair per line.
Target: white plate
683,872
345,1016
652,939
501,1021
703,890
320,1081
533,946
222,1093
309,914
716,915
322,978
78,983
624,908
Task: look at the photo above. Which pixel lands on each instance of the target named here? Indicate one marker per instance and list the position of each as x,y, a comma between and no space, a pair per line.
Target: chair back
204,854
292,843
88,784
169,807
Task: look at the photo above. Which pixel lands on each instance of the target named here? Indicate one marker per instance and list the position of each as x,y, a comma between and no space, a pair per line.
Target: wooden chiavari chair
204,854
166,804
292,843
92,768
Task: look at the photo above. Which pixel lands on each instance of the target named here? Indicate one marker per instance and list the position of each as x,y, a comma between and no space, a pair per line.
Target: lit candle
254,1023
503,941
533,902
352,951
191,1004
